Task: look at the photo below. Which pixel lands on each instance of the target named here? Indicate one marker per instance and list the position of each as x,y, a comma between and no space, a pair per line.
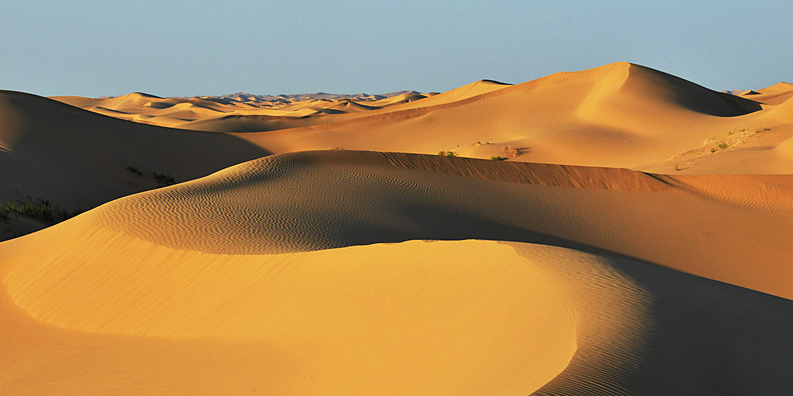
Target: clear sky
185,48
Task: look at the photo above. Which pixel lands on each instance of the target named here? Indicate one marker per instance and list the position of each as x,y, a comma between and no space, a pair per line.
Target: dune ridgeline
613,231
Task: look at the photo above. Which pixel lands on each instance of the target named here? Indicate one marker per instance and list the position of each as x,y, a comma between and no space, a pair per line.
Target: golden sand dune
380,197
362,320
617,115
773,95
187,275
630,237
245,113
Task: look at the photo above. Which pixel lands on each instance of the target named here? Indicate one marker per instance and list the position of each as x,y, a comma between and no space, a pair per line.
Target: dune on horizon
612,231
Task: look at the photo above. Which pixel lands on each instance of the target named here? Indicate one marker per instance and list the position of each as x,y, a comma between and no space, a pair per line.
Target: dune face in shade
613,231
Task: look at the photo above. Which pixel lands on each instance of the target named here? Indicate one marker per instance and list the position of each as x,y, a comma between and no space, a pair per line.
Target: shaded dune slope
79,159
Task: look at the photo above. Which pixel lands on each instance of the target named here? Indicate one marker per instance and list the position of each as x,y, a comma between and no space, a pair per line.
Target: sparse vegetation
163,179
498,158
135,170
447,153
339,148
511,151
41,210
734,138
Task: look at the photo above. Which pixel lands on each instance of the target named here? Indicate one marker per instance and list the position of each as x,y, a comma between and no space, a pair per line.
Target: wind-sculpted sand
629,236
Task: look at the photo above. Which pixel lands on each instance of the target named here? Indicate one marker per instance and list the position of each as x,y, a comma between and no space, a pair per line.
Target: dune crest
611,231
398,197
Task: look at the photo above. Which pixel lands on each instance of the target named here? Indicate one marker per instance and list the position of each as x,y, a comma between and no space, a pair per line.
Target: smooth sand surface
633,239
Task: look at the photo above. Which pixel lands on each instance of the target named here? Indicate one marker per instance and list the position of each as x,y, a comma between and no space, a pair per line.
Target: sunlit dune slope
617,115
320,200
216,286
245,113
772,95
418,318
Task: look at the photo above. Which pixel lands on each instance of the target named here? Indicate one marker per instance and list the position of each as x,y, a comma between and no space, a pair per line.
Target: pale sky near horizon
185,48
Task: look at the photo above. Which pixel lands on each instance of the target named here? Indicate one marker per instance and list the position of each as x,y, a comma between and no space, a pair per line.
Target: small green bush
498,158
447,153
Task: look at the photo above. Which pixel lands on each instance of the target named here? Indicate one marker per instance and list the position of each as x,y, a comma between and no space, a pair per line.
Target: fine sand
632,239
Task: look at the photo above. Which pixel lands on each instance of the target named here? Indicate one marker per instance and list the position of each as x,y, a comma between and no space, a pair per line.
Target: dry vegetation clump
41,210
733,138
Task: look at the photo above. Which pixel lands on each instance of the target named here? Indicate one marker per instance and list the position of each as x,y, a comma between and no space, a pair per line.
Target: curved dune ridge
454,317
611,231
379,197
618,115
358,320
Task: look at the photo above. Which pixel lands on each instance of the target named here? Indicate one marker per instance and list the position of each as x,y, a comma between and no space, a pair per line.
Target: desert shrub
163,178
41,210
447,153
498,158
511,151
135,170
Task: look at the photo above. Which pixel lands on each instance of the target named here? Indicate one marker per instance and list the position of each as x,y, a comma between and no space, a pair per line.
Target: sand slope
634,241
616,115
465,317
396,197
77,160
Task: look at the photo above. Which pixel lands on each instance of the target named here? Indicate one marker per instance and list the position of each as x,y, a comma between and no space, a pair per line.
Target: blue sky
184,48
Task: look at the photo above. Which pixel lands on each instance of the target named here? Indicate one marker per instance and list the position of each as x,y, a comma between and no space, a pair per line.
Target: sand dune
77,160
630,237
617,115
618,212
773,95
361,319
242,112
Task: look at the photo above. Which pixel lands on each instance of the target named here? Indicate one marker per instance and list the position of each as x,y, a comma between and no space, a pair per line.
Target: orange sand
633,240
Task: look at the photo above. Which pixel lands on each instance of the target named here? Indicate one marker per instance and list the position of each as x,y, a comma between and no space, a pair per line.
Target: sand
631,239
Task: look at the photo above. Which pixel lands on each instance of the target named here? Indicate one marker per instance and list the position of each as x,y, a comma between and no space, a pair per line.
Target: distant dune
612,231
